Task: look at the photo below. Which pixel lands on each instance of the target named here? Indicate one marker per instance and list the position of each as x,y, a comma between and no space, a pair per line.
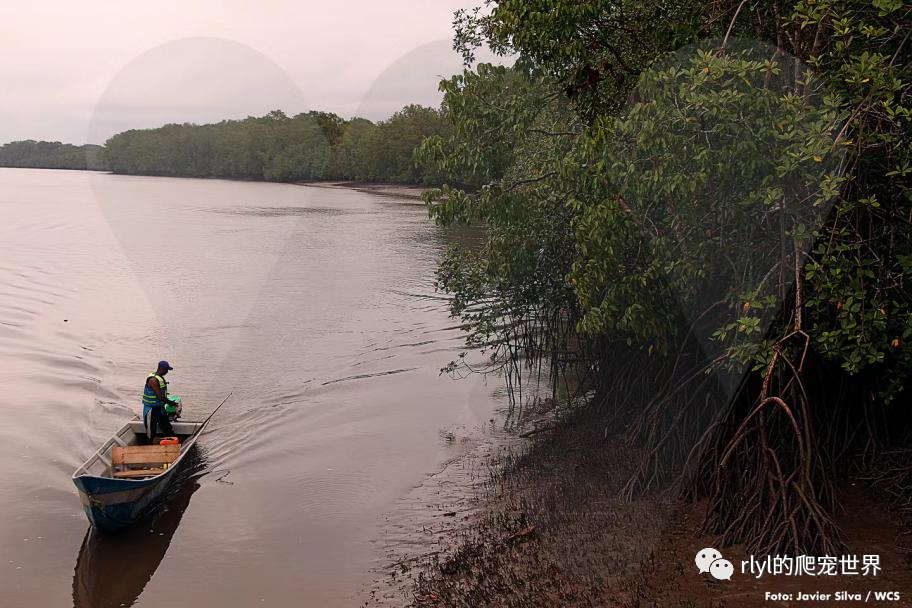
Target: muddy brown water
315,306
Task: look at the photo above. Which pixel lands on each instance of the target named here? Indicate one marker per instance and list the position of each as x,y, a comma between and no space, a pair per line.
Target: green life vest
149,398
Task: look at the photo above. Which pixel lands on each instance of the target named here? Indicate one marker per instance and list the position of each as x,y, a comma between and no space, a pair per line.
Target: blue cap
165,365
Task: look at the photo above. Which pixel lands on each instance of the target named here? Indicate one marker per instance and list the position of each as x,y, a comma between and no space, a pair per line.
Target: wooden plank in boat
137,473
144,454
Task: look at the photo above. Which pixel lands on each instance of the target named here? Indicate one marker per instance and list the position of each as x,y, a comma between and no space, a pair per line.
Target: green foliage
276,147
859,272
354,155
721,167
51,155
507,134
487,111
593,50
397,140
652,206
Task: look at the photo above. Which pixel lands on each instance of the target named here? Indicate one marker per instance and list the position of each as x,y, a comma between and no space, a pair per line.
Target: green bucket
172,409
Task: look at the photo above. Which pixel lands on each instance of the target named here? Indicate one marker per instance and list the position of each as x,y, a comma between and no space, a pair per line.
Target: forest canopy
306,147
276,147
51,155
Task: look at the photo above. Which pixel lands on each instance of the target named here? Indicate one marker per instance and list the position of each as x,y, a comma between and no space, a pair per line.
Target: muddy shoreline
397,190
547,527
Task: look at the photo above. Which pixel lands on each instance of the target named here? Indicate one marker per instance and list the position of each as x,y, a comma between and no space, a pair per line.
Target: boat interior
130,455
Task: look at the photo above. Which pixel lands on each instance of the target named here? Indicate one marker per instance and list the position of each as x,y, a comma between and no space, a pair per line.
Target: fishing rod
206,421
199,431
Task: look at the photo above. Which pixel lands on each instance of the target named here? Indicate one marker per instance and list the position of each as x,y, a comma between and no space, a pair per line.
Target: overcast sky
80,71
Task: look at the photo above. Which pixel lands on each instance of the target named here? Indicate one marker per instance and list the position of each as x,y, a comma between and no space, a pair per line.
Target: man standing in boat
155,398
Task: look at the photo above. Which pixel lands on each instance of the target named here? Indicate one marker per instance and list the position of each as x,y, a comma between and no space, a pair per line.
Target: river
315,306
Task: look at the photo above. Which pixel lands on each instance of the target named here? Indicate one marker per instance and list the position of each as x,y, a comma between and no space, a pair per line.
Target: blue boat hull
113,504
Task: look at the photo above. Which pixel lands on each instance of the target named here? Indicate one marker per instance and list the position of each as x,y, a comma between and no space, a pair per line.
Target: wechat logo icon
710,560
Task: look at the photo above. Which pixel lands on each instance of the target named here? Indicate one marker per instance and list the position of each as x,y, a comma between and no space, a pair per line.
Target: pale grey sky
81,71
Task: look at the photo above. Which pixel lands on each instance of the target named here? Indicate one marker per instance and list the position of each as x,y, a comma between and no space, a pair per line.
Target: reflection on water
112,569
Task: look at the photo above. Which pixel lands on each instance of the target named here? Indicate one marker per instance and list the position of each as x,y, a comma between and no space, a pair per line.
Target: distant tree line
52,155
277,147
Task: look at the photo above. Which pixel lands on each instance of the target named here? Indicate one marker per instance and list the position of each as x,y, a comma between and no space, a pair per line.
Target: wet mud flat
396,190
545,526
439,515
553,530
531,517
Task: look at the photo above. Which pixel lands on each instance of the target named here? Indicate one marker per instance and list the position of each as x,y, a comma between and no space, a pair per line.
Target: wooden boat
121,481
113,569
